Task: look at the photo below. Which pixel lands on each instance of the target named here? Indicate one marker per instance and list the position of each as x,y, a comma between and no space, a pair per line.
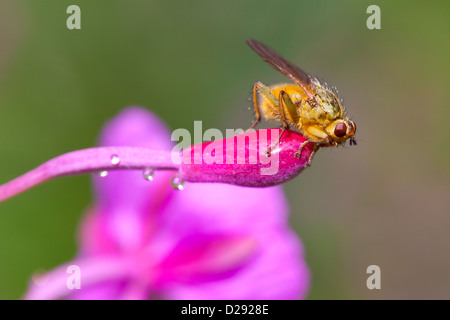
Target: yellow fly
313,108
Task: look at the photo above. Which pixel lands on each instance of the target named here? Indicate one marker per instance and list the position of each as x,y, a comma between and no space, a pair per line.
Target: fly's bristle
335,90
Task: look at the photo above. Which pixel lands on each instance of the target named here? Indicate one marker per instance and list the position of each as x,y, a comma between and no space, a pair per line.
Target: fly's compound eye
340,130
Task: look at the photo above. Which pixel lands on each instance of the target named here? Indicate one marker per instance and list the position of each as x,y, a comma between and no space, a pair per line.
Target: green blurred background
384,202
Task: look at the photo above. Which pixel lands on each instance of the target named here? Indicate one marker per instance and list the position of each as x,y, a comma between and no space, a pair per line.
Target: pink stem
88,161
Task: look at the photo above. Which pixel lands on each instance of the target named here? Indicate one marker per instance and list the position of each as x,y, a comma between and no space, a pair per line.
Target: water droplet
103,173
115,160
177,182
148,174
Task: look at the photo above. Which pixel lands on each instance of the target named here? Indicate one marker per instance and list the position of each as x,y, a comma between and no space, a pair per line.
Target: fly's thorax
329,103
341,129
314,114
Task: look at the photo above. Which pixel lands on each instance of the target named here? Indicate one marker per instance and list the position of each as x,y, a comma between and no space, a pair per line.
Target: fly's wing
303,79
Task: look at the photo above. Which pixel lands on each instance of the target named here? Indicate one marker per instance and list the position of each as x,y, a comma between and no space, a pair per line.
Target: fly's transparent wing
296,74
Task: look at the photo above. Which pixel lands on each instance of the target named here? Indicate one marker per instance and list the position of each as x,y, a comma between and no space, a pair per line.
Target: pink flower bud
244,159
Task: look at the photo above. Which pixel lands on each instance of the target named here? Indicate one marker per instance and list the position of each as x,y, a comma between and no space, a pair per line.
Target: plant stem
89,161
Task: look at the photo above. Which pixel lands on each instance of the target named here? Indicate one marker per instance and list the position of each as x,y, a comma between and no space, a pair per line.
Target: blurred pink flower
143,239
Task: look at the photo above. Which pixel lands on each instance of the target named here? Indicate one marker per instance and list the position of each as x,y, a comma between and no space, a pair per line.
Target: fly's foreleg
298,154
311,156
318,136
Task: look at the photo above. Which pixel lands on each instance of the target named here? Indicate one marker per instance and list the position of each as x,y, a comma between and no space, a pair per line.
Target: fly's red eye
340,130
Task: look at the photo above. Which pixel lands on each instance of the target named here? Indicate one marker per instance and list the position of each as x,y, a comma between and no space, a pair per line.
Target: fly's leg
283,97
311,156
298,154
318,136
259,87
269,150
285,103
